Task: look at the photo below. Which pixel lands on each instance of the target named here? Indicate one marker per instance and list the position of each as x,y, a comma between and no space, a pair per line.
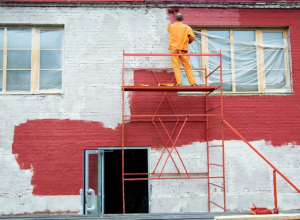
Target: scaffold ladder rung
213,108
214,164
217,205
215,146
216,185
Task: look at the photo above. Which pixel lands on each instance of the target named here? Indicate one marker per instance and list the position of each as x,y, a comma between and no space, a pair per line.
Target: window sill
49,92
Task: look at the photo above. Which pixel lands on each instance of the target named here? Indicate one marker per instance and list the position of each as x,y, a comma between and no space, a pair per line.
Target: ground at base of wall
152,216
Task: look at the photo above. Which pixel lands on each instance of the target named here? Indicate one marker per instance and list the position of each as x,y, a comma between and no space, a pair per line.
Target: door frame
100,151
86,154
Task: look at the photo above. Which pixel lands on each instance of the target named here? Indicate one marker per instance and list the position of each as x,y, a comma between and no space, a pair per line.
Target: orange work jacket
181,36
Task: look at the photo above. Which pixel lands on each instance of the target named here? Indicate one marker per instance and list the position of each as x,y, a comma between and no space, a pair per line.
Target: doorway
103,181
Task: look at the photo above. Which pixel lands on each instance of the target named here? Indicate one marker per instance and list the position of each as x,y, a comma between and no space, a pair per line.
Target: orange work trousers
186,66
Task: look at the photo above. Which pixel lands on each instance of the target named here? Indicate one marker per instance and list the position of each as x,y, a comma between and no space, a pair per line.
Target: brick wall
42,136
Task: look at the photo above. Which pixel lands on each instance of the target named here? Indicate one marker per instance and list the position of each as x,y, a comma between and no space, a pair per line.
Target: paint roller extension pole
173,10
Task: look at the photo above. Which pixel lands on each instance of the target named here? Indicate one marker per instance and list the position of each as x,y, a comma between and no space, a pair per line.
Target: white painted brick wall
248,180
94,39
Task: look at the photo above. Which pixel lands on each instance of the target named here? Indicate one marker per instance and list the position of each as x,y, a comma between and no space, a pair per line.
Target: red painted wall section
258,117
54,148
240,17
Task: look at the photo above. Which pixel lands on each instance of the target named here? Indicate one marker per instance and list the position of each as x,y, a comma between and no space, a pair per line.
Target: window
253,60
30,60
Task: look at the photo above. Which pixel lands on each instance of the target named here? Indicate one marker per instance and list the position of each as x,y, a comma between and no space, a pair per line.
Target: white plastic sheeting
18,76
247,65
1,56
50,59
19,65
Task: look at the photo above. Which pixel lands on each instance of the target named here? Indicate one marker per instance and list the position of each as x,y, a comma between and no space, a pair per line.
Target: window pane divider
51,69
34,60
233,81
50,49
4,77
260,63
18,49
287,66
18,69
204,59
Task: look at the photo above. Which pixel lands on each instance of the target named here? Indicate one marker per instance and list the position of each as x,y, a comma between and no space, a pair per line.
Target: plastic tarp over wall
247,65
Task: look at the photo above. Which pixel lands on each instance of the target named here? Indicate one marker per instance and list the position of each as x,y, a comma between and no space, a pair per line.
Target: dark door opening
136,192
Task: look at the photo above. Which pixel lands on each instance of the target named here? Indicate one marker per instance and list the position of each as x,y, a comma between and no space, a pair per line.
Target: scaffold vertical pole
123,136
207,144
275,192
222,128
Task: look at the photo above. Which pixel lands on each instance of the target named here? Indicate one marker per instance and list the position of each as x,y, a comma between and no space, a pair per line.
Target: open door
136,192
102,181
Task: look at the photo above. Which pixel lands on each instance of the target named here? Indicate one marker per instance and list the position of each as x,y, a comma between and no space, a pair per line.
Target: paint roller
173,10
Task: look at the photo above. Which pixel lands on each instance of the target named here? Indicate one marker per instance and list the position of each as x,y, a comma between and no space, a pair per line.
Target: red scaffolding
209,112
206,117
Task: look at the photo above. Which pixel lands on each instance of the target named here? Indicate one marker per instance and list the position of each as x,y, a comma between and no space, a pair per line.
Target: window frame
203,48
35,60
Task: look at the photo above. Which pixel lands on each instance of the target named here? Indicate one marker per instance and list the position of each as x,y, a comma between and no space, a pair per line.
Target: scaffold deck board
171,88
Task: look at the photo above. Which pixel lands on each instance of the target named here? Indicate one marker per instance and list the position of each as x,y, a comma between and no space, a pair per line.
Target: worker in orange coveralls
181,36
